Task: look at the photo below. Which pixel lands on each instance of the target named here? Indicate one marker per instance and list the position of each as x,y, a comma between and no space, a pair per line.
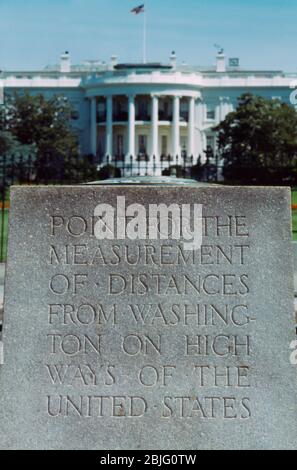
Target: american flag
137,10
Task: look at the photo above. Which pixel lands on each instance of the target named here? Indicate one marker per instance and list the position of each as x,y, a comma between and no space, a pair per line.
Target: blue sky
262,33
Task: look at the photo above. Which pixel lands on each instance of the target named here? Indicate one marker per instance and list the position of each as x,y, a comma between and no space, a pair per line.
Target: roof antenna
219,48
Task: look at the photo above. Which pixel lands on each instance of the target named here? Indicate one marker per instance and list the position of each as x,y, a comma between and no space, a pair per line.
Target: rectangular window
184,111
211,114
75,115
164,146
142,107
120,145
120,110
142,145
184,146
101,111
165,112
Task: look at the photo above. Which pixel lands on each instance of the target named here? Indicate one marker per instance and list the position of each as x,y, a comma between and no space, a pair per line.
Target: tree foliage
5,137
260,134
45,124
39,144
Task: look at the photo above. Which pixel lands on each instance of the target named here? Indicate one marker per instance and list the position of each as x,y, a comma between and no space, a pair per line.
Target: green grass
294,214
294,196
3,243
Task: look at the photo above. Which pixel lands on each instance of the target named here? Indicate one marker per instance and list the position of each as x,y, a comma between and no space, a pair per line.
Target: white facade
147,112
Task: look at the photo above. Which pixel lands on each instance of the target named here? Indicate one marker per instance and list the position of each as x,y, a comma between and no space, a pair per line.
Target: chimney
113,62
65,63
221,61
173,60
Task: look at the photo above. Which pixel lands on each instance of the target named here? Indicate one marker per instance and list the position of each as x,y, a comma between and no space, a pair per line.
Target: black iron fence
143,165
51,169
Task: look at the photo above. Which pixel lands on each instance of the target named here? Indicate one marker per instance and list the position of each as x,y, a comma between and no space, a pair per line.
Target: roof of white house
222,74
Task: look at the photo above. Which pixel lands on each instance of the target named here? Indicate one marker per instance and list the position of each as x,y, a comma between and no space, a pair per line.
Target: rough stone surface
295,266
195,354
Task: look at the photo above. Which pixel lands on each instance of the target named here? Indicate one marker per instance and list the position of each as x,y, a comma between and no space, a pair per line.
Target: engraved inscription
130,324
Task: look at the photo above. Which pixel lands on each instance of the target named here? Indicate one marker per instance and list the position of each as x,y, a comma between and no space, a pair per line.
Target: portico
144,126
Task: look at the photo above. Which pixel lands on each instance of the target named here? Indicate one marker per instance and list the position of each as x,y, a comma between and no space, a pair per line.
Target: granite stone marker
118,343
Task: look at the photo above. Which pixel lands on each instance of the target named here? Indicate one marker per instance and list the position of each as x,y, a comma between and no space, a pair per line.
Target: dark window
120,145
101,111
74,115
142,144
164,145
211,114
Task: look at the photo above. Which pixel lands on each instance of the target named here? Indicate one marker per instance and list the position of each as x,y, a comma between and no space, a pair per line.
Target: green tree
260,134
45,123
5,137
39,132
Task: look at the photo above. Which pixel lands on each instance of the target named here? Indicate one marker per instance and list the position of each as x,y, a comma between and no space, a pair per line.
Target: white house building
148,111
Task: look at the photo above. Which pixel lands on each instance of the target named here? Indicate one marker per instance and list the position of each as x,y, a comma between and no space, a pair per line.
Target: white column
204,112
154,127
93,126
109,127
201,116
224,108
230,107
219,112
204,145
131,126
191,127
175,127
201,113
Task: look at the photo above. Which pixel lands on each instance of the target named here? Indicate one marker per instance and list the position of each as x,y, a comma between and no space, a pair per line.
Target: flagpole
144,33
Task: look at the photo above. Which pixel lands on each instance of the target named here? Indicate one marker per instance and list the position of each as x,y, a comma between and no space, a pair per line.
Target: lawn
3,240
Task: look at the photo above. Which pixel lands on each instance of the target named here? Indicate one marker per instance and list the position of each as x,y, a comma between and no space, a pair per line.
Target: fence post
217,167
3,189
154,165
131,165
123,165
